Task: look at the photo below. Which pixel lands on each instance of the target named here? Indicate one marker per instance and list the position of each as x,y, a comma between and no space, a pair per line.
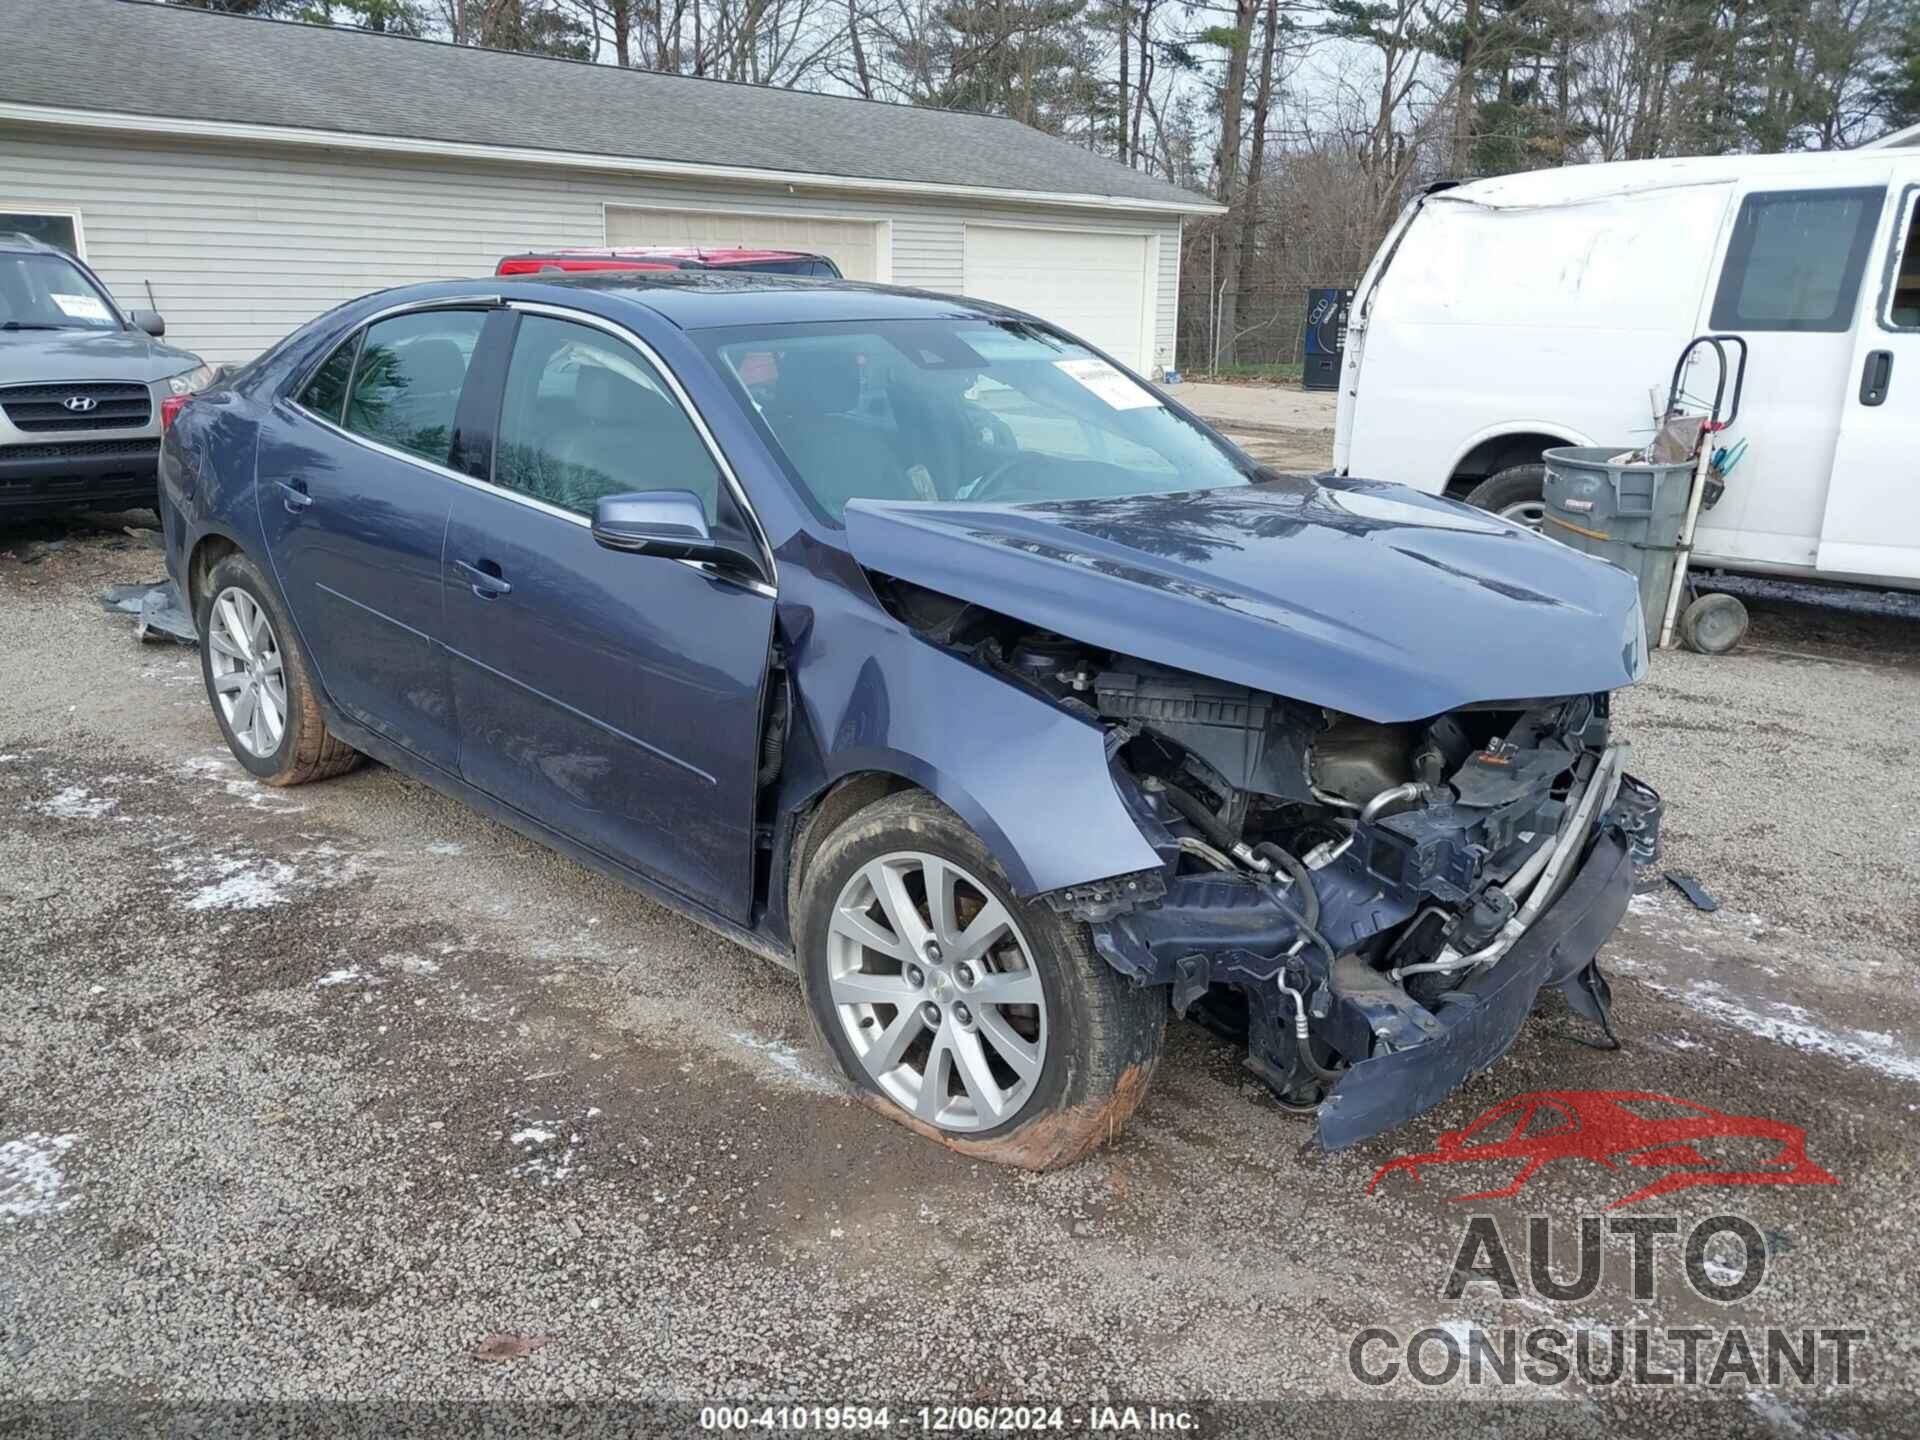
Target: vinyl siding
242,244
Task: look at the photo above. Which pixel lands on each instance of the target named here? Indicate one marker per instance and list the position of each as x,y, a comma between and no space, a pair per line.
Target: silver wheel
936,992
1530,513
249,685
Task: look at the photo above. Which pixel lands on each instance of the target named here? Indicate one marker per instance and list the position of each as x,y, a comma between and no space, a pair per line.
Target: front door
1790,283
614,697
355,488
1872,523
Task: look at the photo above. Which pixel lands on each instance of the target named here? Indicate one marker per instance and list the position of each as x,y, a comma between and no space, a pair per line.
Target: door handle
484,579
293,495
1873,380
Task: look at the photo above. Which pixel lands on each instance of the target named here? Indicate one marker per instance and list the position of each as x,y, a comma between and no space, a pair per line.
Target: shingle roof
152,60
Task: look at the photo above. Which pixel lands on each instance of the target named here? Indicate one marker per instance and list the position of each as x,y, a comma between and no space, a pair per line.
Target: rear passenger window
326,392
586,416
1795,260
406,386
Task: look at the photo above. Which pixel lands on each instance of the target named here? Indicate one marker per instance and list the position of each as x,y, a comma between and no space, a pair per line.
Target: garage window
49,229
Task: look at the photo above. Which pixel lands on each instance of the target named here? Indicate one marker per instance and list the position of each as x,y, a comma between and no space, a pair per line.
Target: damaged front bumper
1480,1020
1385,1043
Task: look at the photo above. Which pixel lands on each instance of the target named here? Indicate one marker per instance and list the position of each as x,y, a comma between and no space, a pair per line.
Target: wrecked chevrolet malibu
924,649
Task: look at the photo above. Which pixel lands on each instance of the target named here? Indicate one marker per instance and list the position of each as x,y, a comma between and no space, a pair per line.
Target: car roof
714,299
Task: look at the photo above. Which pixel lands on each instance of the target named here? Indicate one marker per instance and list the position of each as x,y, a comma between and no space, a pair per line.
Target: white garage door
1093,285
850,244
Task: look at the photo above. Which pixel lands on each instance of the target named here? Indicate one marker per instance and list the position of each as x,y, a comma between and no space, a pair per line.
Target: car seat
626,436
839,457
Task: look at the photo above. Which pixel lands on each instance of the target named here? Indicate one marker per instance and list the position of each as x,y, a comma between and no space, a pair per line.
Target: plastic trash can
1630,515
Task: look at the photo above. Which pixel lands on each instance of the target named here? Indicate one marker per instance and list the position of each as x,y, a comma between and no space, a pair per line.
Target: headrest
434,364
824,382
603,394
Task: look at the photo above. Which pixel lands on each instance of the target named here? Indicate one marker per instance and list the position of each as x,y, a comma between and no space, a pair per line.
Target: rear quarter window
1796,259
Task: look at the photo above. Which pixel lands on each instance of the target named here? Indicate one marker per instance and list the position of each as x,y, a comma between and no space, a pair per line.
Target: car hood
50,356
1366,598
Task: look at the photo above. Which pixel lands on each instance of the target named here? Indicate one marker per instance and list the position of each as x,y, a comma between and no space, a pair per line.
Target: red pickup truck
662,257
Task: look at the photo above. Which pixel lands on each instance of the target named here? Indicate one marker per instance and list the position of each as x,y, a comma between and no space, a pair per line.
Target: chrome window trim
445,302
558,312
665,371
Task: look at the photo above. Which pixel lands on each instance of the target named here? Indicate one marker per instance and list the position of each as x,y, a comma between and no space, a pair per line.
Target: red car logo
1616,1128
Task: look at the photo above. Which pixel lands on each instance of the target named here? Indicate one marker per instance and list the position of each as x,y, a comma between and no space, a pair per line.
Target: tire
1713,624
1097,1037
1518,493
303,749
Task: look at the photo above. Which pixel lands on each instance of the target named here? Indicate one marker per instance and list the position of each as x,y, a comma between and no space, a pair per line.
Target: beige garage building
241,175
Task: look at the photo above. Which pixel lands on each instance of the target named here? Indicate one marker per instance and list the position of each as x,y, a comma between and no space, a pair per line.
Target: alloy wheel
249,683
935,990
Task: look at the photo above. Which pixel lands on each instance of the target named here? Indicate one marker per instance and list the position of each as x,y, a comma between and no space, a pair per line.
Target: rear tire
1097,1037
280,736
1517,493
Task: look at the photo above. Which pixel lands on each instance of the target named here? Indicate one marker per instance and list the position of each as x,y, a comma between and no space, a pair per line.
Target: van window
1796,259
1903,299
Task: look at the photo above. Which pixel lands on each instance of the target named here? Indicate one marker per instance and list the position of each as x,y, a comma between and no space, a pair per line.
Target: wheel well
1502,452
828,812
207,554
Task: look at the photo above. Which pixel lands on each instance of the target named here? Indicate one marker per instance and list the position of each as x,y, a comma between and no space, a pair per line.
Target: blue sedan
926,650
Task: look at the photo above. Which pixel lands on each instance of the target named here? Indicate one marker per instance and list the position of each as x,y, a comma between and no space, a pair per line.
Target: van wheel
1517,493
257,679
972,1017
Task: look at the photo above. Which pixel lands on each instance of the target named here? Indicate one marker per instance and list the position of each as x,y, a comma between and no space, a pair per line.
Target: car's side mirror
671,524
149,321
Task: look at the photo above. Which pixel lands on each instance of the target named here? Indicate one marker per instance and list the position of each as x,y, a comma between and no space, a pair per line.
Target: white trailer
1506,316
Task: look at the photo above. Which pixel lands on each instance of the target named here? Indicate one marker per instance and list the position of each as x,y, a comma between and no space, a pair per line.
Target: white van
1505,316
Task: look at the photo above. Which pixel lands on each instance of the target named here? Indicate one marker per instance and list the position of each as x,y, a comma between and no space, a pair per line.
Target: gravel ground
306,1094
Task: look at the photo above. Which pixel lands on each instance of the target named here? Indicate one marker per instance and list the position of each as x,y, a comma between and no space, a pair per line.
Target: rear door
1790,282
1872,521
357,478
613,697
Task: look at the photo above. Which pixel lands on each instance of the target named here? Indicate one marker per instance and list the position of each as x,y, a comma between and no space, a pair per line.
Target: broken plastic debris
1693,890
156,608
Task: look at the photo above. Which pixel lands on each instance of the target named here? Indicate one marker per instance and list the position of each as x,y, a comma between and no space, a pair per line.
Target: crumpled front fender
1030,779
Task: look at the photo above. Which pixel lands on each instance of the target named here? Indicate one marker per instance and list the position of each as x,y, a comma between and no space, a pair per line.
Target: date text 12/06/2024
947,1419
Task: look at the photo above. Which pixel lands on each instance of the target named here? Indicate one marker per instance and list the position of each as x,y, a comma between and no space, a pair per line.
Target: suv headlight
190,382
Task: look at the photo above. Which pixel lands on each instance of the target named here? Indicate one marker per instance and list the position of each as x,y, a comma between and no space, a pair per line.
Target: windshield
962,410
47,292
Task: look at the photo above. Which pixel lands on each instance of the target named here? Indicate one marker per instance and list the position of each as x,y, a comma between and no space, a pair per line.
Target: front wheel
1518,493
971,1016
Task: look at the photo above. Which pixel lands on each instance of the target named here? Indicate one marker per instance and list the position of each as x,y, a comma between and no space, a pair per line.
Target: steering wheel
989,485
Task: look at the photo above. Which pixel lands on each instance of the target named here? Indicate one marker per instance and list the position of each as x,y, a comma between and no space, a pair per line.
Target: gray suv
82,385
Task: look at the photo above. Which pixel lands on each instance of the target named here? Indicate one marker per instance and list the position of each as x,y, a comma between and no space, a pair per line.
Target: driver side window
586,416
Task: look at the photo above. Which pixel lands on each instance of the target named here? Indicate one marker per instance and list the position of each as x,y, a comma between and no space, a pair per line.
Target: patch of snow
244,885
30,1178
791,1066
75,803
447,847
1776,1412
344,976
1794,1026
532,1135
236,784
